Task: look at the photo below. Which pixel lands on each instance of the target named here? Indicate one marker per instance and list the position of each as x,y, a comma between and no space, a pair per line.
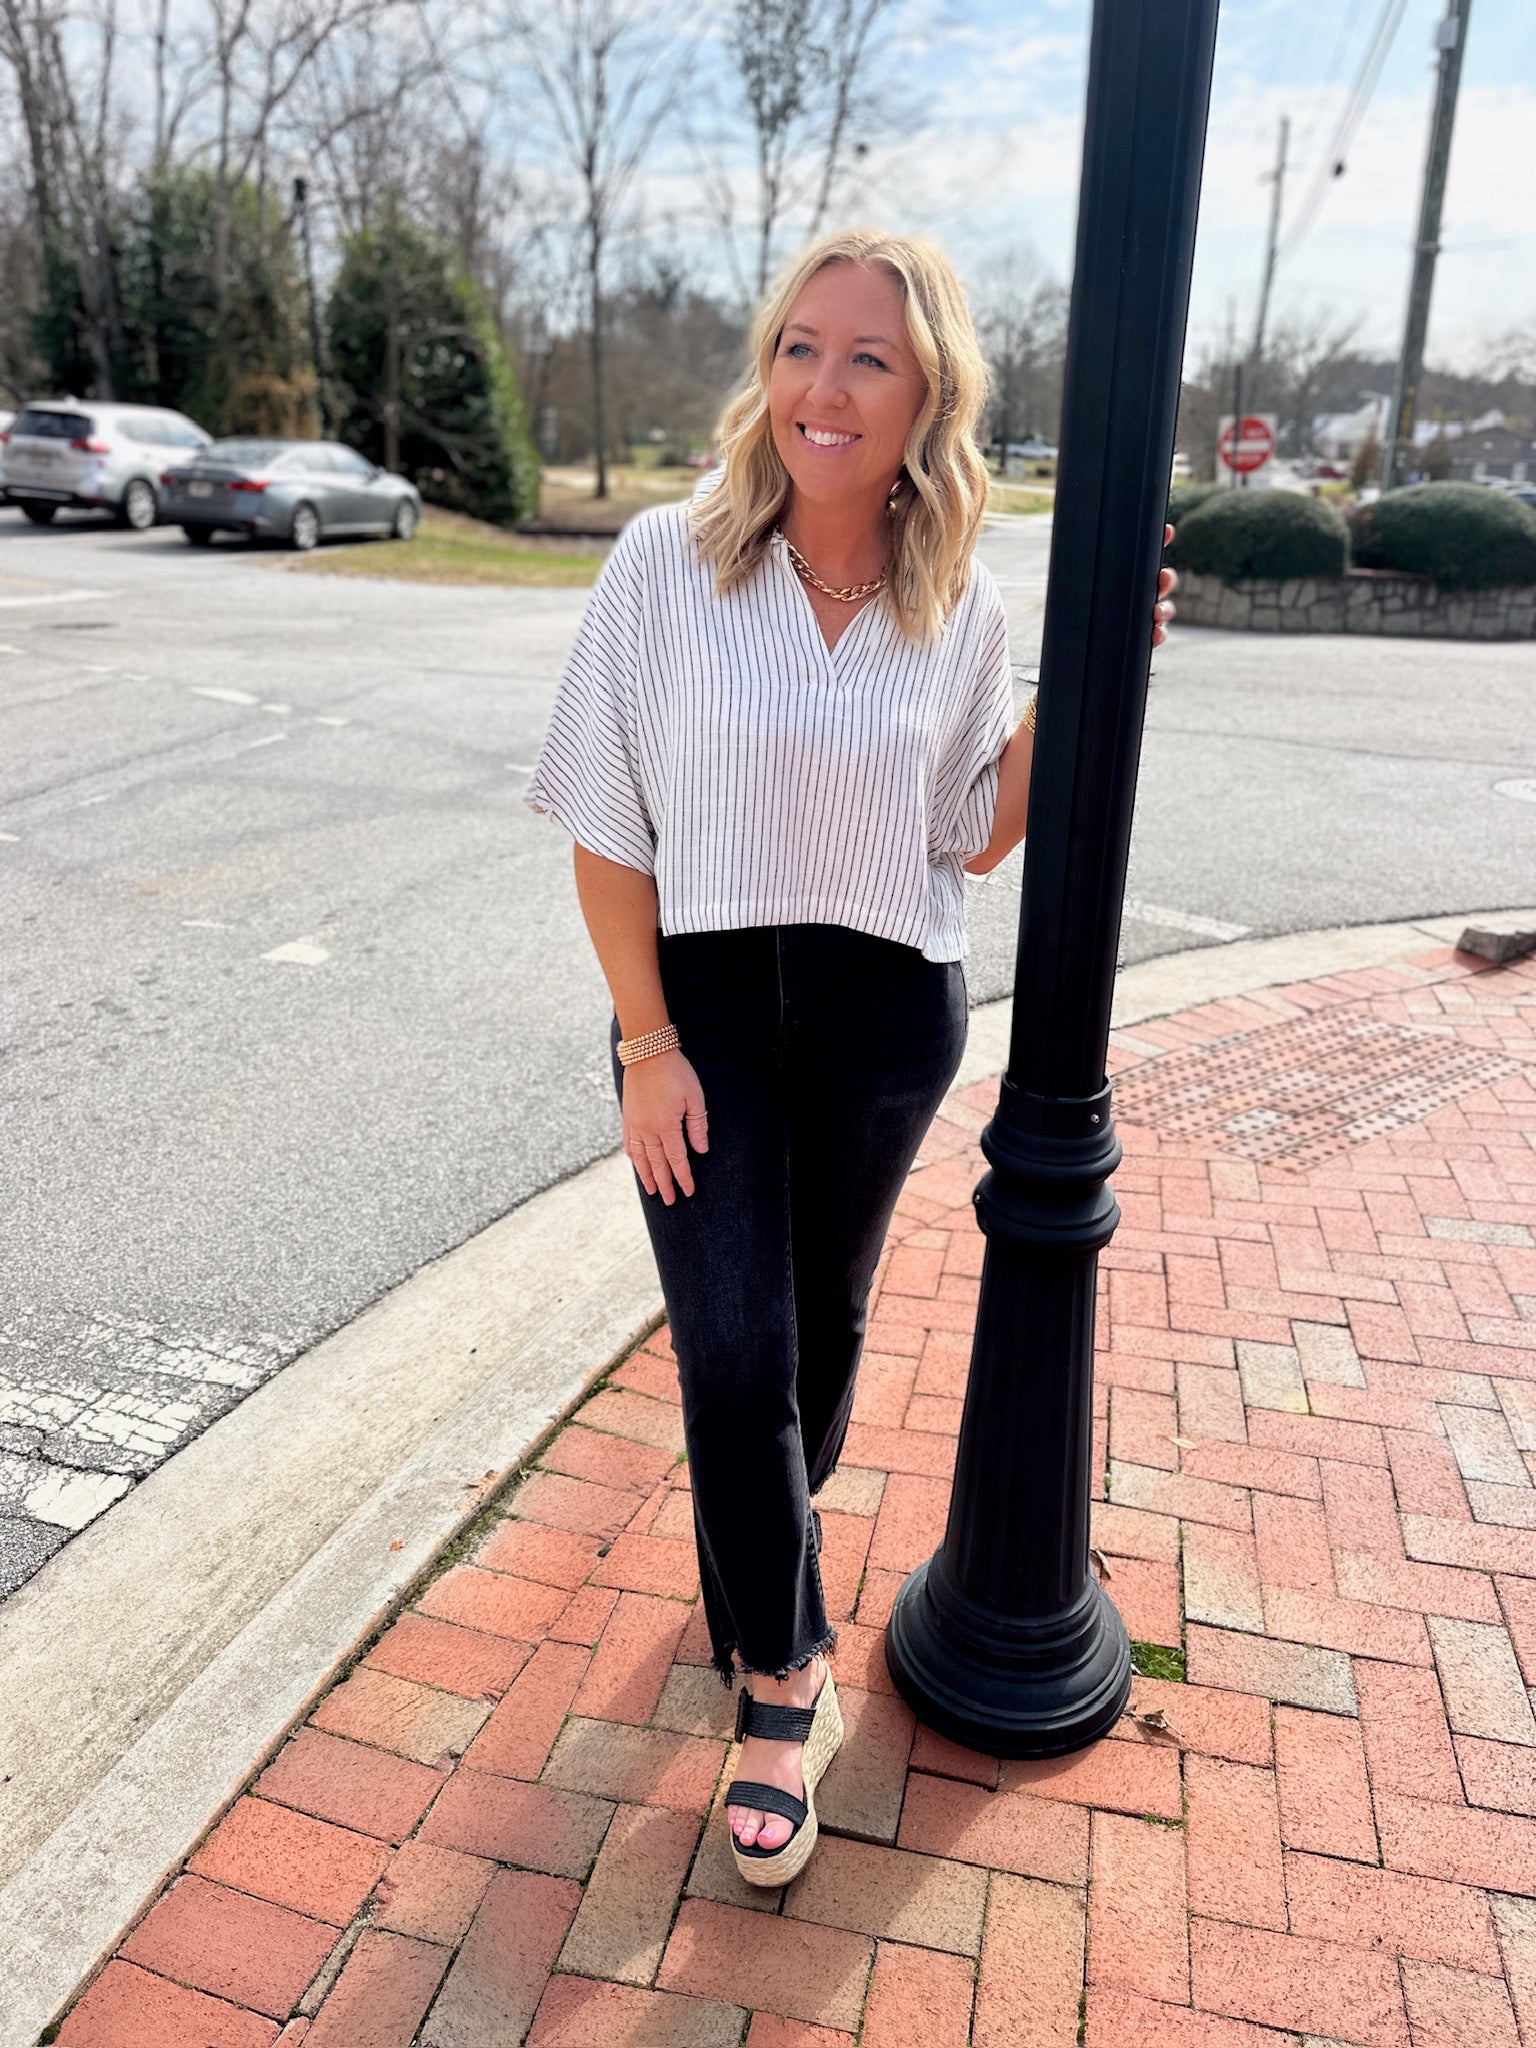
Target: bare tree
1304,353
1021,320
70,128
1510,357
804,68
844,42
771,45
1300,358
609,74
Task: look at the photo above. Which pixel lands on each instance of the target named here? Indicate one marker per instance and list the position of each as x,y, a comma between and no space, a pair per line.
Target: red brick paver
1315,1490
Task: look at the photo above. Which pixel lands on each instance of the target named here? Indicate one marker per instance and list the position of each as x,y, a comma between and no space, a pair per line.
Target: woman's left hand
1167,583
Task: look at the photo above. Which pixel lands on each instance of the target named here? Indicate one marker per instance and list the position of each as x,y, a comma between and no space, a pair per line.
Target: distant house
1341,435
1493,449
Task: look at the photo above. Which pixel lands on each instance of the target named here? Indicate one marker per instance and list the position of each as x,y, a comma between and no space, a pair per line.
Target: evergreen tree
428,388
237,362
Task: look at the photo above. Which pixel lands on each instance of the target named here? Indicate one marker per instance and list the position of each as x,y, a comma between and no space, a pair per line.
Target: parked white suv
65,451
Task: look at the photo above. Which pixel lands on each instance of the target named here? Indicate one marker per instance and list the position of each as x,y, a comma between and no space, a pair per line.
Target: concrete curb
161,1655
126,1793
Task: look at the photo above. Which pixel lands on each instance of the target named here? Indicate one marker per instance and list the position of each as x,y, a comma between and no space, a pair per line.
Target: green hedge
1261,533
1183,499
1464,536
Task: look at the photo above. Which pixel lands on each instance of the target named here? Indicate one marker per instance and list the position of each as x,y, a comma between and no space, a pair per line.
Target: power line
1340,45
1333,162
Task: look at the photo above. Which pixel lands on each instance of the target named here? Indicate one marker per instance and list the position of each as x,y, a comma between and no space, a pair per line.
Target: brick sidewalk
1317,1434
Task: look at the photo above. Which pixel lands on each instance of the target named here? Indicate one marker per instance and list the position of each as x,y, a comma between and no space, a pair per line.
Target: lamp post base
1007,1685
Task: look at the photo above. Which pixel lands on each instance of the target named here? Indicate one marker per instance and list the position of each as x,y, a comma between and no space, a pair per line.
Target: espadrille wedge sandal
820,1728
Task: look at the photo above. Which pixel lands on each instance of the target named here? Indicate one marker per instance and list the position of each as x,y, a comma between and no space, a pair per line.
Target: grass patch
452,549
565,495
1156,1660
1017,500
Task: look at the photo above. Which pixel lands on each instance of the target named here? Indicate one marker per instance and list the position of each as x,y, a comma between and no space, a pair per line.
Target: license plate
199,490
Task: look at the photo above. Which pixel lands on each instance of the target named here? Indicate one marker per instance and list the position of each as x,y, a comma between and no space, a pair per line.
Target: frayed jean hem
729,1670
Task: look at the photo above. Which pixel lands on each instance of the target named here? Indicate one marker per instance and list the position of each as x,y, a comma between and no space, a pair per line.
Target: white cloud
995,160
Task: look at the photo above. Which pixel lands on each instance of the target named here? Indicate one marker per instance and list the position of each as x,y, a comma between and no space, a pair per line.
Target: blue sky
985,141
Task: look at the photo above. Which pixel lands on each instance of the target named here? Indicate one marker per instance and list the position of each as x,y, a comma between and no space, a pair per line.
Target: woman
784,735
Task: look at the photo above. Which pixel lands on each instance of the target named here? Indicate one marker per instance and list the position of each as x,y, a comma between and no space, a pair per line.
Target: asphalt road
296,992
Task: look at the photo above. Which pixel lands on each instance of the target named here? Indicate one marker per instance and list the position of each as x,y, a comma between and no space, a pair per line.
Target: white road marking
1522,790
298,953
1183,920
95,668
203,924
332,721
51,597
85,800
12,837
7,648
271,740
70,1499
225,696
521,767
282,710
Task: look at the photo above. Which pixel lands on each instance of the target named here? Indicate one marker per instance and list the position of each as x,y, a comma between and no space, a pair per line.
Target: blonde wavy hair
936,507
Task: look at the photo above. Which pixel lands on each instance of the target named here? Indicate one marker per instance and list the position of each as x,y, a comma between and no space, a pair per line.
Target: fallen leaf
1183,1443
1102,1562
397,1544
1155,1720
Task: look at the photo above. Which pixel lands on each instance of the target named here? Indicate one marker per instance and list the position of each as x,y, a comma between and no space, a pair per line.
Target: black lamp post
1004,1639
300,170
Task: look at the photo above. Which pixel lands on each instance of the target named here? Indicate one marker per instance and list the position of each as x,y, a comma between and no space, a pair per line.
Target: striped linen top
716,743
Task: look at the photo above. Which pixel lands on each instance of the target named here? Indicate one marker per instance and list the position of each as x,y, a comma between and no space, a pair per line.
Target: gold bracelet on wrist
647,1045
1029,712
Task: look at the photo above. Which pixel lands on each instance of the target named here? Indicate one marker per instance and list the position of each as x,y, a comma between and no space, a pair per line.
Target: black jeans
823,1054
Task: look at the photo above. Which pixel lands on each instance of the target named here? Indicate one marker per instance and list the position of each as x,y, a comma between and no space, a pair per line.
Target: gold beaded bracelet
647,1045
1029,712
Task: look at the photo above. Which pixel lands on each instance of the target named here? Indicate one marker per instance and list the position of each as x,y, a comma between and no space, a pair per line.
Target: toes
745,1824
773,1833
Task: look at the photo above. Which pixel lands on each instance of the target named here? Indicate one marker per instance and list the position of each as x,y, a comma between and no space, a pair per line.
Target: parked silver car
73,452
302,492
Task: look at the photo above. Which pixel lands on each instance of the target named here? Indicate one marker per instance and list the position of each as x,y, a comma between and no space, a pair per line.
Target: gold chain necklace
853,592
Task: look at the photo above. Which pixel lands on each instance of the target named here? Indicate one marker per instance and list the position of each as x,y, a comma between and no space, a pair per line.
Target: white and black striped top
718,744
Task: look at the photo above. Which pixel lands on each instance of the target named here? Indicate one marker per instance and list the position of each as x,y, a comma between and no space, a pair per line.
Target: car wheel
200,536
406,520
40,515
140,507
304,533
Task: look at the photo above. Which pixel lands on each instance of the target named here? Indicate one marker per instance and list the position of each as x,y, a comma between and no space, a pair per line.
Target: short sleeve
587,772
965,782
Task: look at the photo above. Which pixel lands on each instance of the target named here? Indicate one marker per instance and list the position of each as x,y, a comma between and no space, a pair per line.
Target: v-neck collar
829,654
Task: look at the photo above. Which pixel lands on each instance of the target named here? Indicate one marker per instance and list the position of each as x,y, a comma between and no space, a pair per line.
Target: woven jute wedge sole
821,1745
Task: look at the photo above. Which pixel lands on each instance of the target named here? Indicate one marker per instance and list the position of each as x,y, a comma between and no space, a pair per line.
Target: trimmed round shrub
1463,536
1183,499
1261,533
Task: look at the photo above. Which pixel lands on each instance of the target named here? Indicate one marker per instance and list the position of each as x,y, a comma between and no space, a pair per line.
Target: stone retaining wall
1363,601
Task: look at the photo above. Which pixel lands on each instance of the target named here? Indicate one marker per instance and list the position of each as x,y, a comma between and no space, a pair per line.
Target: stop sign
1249,449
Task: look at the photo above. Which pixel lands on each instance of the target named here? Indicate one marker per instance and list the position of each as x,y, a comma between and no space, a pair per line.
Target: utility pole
1450,40
1277,179
1256,351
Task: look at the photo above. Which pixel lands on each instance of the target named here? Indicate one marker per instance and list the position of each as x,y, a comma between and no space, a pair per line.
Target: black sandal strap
766,1799
770,1723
